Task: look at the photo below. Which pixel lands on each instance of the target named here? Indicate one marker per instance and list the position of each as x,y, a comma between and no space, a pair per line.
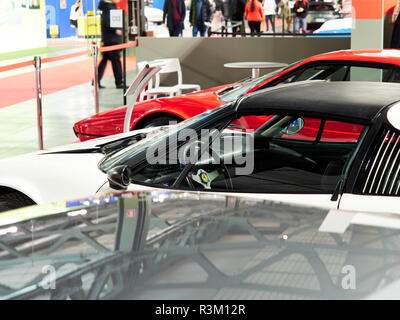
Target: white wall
21,28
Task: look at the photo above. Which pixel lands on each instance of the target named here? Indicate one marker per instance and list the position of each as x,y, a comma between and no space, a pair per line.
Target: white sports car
326,144
61,173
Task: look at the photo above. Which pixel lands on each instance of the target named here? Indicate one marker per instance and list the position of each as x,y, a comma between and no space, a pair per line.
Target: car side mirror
119,177
294,127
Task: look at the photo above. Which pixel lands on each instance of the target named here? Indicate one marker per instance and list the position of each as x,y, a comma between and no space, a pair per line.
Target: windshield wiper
121,144
235,126
239,83
226,89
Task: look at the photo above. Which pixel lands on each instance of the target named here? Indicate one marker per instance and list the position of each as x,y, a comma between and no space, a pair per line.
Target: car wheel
161,121
14,200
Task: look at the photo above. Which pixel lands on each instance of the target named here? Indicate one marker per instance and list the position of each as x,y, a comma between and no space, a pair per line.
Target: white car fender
53,177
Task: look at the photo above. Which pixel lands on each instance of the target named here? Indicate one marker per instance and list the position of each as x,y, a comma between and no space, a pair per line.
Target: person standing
218,17
300,20
110,36
254,15
286,14
175,12
236,14
76,11
269,8
395,41
200,16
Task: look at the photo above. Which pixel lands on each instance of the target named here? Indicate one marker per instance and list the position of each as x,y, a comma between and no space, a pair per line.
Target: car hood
96,144
112,121
64,172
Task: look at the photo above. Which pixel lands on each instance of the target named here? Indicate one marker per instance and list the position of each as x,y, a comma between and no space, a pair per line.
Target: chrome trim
393,163
387,161
380,162
397,190
373,164
396,174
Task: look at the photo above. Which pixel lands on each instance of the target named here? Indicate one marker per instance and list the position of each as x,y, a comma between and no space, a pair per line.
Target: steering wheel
205,177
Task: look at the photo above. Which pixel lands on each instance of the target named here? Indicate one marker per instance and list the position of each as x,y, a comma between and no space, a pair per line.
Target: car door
291,158
299,161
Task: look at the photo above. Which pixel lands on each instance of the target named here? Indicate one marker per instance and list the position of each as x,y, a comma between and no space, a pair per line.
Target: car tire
14,200
160,121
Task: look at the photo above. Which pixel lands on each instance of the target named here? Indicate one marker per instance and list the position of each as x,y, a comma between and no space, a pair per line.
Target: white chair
169,66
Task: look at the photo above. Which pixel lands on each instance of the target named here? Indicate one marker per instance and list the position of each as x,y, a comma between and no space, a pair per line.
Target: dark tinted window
337,72
321,7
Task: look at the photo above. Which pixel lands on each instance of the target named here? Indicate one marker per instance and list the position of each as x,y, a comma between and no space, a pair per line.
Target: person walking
200,16
254,15
300,20
269,8
236,14
395,41
110,36
175,12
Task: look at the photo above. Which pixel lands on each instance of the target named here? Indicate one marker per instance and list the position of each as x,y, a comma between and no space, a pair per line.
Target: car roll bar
138,85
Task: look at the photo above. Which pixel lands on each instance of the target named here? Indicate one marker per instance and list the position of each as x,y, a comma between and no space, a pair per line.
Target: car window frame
301,69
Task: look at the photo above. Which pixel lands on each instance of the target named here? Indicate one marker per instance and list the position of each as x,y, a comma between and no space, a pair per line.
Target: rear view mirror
294,127
119,177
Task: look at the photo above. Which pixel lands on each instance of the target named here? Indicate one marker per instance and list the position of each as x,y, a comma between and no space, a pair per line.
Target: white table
255,66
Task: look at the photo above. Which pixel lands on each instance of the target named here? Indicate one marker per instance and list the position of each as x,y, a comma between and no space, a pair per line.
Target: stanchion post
124,52
95,51
37,64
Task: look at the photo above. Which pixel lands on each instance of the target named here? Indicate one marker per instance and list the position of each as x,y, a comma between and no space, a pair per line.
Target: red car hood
112,121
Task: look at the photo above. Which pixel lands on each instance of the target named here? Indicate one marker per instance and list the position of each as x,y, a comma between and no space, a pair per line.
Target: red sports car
347,65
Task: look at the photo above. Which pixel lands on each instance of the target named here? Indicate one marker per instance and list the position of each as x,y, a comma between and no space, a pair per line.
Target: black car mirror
119,177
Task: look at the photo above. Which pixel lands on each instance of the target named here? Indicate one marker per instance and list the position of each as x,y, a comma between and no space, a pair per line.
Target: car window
287,155
129,155
244,87
338,72
336,131
313,73
321,7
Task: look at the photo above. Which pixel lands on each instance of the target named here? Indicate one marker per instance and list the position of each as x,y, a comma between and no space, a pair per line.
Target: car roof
378,56
359,101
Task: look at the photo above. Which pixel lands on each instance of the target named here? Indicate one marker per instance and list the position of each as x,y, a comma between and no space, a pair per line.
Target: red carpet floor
22,87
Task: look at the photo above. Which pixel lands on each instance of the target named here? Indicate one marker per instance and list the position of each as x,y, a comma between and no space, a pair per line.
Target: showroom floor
66,99
61,109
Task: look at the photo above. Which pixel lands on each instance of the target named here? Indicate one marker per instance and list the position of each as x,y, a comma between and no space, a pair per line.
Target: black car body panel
358,101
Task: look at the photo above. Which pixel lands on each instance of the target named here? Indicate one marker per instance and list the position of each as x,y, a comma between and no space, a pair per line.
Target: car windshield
243,88
122,156
321,7
220,247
